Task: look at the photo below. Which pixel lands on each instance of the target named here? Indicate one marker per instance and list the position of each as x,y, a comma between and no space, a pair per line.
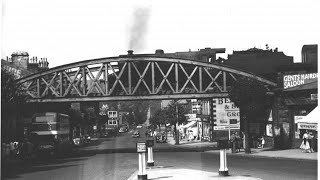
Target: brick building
20,64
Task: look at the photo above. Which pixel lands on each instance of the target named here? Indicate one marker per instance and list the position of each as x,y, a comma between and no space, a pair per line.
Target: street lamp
177,123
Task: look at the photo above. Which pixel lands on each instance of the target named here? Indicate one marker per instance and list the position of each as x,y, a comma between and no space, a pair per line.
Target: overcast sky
67,31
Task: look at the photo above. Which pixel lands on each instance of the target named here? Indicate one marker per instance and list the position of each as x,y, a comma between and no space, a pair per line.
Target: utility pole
177,124
211,118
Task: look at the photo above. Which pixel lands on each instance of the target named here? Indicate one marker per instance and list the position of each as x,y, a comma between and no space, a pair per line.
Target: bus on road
50,133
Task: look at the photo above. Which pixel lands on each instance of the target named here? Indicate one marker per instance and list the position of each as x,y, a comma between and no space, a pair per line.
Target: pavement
267,152
173,173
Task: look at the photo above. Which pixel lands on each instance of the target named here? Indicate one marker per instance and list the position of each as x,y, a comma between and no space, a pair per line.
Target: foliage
12,97
251,98
75,117
168,115
137,110
249,95
160,117
11,93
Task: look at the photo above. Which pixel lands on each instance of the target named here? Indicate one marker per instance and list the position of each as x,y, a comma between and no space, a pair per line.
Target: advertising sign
226,113
141,147
226,127
294,80
298,118
314,97
308,126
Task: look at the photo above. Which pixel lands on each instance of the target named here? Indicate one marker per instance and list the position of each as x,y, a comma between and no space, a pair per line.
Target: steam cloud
139,28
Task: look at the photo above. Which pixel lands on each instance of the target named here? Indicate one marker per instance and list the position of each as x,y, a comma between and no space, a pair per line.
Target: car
161,137
139,126
121,130
136,134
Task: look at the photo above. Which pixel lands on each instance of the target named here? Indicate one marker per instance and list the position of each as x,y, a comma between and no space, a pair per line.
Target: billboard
293,80
227,114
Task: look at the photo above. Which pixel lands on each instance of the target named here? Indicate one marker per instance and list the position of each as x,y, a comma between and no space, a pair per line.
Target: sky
67,31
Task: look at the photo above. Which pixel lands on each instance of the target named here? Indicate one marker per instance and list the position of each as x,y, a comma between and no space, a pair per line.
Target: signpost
141,149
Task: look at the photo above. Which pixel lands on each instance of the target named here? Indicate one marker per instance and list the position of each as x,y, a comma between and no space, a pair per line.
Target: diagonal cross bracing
118,73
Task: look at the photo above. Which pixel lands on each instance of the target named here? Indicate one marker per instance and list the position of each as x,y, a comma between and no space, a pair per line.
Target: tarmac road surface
116,159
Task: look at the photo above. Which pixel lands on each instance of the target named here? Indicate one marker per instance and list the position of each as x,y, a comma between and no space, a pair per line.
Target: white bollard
150,157
141,149
223,171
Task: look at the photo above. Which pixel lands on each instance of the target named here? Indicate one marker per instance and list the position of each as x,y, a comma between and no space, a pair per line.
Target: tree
75,117
160,117
12,97
169,115
251,98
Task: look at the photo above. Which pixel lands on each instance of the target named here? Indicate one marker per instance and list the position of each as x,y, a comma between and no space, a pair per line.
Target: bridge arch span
135,77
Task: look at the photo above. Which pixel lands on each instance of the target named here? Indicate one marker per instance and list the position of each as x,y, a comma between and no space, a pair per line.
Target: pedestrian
233,141
315,142
190,136
262,141
310,137
237,142
11,148
305,147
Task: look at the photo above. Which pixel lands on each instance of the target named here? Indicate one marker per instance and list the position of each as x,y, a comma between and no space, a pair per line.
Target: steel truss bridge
135,77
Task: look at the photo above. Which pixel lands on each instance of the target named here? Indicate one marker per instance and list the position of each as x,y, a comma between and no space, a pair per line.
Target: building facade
295,99
21,65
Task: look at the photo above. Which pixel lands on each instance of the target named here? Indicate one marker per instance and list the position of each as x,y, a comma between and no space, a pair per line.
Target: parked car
136,134
121,130
87,139
161,137
78,141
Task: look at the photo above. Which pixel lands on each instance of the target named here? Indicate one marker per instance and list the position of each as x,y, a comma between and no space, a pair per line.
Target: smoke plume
139,28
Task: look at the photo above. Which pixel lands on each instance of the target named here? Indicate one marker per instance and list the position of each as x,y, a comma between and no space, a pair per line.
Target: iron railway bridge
133,77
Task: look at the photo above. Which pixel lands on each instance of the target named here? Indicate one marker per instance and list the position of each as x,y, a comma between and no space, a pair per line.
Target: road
115,159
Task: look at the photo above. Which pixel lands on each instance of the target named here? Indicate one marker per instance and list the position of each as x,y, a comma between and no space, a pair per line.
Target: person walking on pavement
233,141
310,137
314,142
262,142
305,146
238,139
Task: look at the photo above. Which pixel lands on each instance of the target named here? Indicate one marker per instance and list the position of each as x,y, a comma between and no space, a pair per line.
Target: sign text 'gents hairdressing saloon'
294,80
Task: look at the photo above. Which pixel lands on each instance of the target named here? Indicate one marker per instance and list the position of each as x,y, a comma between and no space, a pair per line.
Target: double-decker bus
50,132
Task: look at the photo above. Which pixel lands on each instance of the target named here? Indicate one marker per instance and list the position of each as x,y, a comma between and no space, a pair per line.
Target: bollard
223,145
141,149
150,144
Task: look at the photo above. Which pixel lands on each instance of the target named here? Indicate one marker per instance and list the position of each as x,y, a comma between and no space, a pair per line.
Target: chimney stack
130,52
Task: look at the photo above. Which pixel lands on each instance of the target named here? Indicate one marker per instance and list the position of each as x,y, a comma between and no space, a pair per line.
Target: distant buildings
259,61
309,54
20,64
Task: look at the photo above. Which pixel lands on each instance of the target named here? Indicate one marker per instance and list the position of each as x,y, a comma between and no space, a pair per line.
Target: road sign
141,147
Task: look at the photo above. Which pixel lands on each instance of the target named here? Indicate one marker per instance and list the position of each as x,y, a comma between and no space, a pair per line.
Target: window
112,114
112,122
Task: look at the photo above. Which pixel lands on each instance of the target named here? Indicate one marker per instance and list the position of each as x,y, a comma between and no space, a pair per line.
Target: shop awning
312,117
189,124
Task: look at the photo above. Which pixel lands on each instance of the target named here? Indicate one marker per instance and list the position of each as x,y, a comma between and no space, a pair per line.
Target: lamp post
177,124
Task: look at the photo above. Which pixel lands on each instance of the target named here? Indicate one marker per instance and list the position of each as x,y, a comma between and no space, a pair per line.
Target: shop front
295,109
